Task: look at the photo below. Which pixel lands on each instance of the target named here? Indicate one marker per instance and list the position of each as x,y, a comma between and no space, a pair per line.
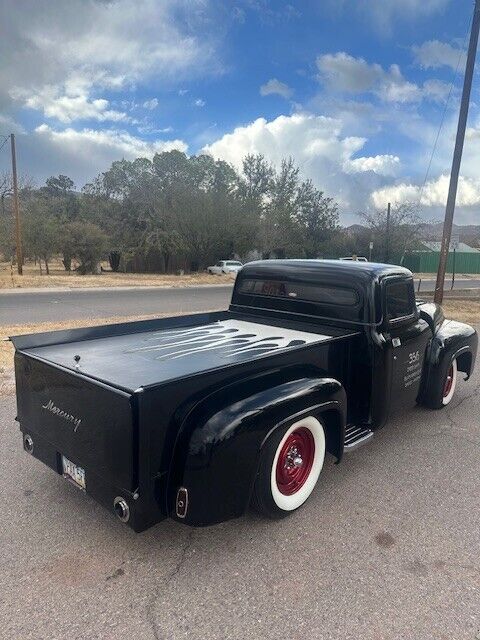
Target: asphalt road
385,549
18,307
45,306
460,283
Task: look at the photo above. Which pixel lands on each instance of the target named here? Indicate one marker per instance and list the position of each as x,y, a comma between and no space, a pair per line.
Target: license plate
73,472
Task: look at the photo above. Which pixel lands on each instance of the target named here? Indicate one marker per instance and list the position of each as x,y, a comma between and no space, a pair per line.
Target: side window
400,300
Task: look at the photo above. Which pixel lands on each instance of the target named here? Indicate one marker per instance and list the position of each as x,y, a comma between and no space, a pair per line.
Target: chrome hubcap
293,459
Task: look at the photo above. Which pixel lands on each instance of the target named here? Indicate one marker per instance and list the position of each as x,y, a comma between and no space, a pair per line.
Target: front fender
218,454
451,340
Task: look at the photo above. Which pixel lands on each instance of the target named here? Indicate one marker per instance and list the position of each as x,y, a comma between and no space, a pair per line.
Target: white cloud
69,106
384,14
150,104
302,136
149,129
383,165
434,54
345,73
472,133
318,147
199,102
81,48
436,90
131,40
109,143
434,193
274,86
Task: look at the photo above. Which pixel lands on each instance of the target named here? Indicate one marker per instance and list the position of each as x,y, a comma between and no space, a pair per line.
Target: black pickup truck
197,417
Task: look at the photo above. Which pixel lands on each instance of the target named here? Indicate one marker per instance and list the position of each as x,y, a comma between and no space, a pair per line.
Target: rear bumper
141,515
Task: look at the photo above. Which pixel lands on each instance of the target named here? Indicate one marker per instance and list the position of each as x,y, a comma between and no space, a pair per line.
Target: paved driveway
386,548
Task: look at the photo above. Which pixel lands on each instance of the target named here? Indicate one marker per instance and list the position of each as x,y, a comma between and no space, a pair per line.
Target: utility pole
457,154
16,211
387,241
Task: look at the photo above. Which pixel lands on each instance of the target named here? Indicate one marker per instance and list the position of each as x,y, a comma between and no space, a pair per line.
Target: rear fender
218,452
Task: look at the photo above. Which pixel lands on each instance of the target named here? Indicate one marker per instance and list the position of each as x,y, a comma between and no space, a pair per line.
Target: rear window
400,301
233,263
322,294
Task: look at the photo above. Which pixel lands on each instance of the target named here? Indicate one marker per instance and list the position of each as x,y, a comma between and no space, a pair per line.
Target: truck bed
141,354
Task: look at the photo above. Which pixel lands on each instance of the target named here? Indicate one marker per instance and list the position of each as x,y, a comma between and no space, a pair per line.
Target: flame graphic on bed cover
227,339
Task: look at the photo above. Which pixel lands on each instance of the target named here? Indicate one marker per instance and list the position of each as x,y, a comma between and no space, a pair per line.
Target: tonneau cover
133,360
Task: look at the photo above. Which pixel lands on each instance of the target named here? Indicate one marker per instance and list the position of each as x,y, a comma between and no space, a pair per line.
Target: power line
4,142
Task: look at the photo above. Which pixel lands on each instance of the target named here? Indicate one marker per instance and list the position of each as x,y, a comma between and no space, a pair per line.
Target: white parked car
355,258
225,266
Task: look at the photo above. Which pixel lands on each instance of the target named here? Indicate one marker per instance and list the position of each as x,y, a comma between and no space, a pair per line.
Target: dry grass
464,310
9,279
448,276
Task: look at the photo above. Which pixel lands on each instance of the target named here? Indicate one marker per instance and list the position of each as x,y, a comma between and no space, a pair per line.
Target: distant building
426,259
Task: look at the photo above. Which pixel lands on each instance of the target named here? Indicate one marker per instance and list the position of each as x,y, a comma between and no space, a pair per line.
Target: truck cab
198,417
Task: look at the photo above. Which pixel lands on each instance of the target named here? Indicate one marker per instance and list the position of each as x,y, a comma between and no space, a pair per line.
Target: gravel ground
386,548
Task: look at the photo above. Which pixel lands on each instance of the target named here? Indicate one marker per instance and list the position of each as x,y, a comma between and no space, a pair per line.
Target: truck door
407,338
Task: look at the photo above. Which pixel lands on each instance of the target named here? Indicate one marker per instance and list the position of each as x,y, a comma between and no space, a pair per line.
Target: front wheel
291,462
439,393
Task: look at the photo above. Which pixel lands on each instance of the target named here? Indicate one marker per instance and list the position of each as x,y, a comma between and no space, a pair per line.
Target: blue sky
354,90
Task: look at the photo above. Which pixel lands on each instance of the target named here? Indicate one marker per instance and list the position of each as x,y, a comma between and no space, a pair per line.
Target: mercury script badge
62,414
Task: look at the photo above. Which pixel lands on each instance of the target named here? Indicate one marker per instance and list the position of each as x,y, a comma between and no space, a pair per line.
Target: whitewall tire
450,383
291,463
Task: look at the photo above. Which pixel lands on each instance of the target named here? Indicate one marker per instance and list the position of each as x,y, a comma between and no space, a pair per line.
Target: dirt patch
463,309
9,278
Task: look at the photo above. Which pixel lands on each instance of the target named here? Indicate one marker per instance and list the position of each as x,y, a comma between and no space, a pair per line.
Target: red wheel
291,463
295,461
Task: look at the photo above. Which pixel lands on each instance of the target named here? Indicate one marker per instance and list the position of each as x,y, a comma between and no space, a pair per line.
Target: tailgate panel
91,424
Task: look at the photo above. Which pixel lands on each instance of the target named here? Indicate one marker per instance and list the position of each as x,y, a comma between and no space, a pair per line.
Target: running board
356,437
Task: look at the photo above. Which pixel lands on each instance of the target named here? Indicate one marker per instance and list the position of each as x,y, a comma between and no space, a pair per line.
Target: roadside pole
453,269
457,154
16,211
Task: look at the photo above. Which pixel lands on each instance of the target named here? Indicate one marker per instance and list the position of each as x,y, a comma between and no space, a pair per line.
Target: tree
63,204
279,219
41,234
404,230
175,211
89,244
60,185
316,218
257,180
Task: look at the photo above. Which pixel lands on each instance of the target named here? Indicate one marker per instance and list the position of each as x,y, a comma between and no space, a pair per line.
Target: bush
88,243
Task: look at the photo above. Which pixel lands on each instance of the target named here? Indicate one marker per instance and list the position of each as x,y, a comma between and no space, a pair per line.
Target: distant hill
469,233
